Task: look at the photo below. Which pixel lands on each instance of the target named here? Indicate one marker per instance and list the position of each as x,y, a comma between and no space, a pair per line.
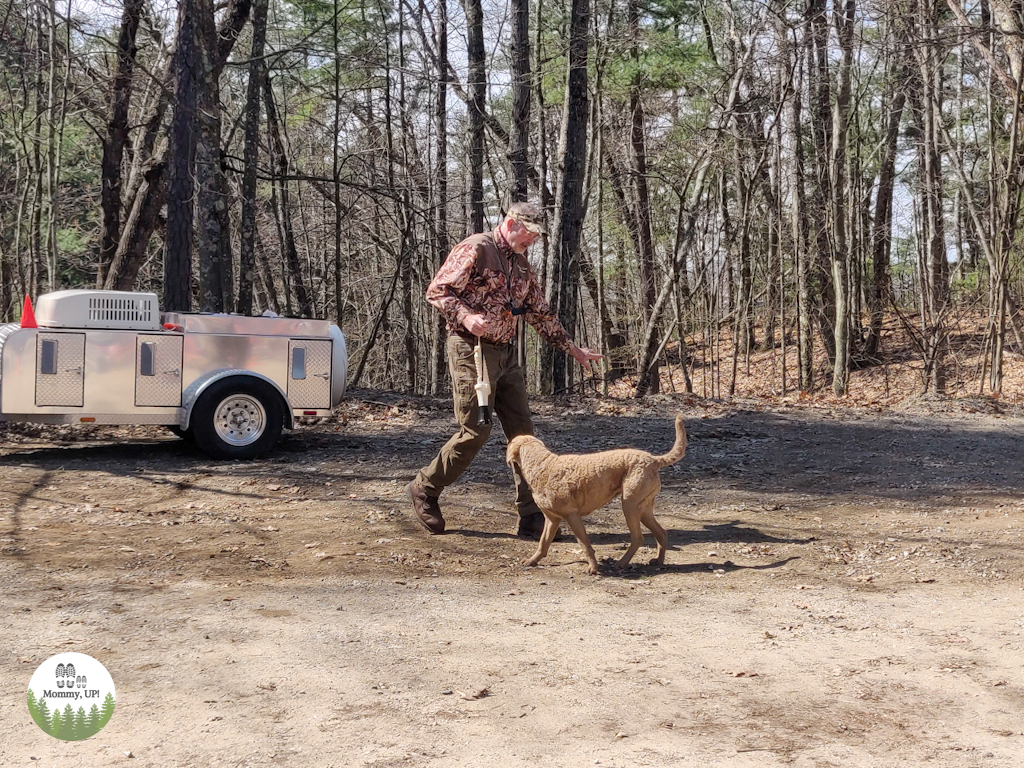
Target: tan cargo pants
508,402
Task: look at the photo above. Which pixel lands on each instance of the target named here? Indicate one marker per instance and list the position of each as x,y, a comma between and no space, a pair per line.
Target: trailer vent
122,310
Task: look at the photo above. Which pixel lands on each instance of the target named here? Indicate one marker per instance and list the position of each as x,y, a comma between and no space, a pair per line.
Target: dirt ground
843,588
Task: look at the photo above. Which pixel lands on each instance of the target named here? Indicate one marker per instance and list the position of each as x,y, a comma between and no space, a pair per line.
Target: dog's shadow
724,533
606,566
731,533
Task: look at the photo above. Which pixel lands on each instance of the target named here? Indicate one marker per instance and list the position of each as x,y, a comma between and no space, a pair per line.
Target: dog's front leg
576,523
550,529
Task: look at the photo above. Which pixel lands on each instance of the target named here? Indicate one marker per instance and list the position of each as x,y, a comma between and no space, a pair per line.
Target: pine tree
44,716
33,706
56,724
81,730
67,731
108,710
93,724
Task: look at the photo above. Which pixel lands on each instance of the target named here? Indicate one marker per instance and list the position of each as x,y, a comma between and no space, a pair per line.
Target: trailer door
158,370
60,369
309,373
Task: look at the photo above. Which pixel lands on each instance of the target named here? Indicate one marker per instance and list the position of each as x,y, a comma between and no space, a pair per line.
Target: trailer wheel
237,418
185,434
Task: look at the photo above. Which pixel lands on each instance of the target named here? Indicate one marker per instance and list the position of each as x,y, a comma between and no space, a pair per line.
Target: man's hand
476,324
585,357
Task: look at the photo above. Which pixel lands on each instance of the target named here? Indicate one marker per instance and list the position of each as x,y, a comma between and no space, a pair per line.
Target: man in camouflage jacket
481,289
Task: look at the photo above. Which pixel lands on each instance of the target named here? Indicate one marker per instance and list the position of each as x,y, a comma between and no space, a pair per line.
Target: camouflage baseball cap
529,215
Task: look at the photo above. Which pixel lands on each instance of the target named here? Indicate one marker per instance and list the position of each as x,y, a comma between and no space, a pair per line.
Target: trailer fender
339,364
195,390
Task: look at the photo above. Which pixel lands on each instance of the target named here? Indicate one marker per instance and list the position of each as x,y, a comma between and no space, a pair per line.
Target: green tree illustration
81,730
56,724
108,709
33,706
68,723
44,716
93,725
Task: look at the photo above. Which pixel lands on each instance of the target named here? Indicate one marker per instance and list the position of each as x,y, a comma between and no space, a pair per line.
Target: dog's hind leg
647,518
632,512
550,529
576,523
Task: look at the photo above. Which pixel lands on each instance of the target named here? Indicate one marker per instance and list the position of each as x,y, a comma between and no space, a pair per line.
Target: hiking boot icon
66,676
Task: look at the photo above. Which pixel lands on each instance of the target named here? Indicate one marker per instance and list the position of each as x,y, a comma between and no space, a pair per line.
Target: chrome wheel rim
240,420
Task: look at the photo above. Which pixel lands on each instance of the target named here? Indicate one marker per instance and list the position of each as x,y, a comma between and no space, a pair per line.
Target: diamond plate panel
67,385
164,387
314,391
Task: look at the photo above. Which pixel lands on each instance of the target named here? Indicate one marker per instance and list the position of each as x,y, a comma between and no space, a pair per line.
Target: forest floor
844,587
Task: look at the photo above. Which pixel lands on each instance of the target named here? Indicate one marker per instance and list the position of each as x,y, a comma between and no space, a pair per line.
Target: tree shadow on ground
768,453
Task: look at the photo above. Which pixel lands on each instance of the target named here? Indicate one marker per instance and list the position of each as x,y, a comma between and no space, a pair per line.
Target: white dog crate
110,357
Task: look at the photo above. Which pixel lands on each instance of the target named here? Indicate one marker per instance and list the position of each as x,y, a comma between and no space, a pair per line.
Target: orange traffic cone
28,317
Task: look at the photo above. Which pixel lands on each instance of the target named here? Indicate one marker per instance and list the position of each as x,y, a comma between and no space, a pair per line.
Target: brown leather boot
428,511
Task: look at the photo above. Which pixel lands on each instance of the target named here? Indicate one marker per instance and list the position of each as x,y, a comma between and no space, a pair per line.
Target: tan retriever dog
571,486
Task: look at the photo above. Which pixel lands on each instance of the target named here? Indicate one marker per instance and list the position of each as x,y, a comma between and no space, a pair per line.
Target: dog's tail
678,450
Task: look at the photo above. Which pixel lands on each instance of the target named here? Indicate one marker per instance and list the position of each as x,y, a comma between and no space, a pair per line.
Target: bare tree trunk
250,159
520,133
477,82
573,153
743,338
149,188
881,231
339,287
649,345
799,226
116,137
216,293
840,249
645,254
405,216
439,336
182,152
52,148
934,267
819,209
282,208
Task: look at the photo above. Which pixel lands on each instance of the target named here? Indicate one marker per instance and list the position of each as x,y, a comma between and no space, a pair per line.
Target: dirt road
841,590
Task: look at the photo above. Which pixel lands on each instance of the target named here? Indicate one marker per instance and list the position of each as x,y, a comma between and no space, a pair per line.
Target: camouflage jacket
483,275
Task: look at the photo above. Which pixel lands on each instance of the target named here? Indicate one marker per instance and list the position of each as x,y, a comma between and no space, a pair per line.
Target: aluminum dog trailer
111,357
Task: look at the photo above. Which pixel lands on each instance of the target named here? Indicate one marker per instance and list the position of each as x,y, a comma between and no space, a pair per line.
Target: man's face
519,237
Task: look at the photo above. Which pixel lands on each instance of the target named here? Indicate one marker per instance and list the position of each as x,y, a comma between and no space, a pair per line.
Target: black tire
239,417
185,434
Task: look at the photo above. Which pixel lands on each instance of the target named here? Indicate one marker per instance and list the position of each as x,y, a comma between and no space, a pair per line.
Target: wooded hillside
723,178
